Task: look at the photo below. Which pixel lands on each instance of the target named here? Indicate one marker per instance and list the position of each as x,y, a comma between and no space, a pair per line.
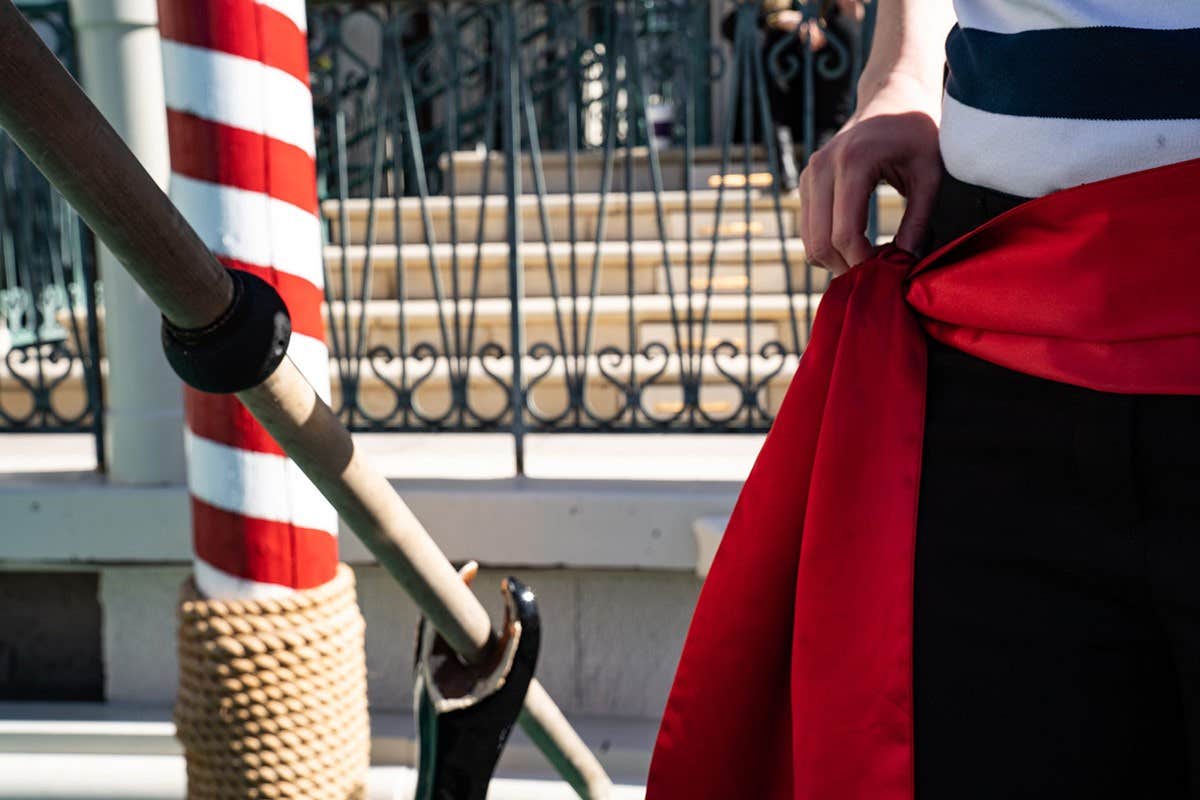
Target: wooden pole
51,119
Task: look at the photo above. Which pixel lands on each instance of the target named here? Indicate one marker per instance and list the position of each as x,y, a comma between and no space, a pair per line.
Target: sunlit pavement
72,776
90,751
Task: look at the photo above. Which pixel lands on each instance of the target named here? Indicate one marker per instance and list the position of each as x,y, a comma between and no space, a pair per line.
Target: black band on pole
241,348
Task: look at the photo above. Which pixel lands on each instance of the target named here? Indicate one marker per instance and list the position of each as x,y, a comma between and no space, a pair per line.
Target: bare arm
909,47
892,137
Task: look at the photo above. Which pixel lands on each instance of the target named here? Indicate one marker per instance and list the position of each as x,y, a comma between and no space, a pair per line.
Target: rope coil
273,695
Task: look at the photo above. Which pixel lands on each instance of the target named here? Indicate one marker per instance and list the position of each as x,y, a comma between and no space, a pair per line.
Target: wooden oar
48,115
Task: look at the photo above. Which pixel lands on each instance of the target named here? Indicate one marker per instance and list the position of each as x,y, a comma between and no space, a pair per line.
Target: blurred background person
832,36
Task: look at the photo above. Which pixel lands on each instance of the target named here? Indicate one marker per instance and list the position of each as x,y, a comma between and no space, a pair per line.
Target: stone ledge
589,517
510,522
610,638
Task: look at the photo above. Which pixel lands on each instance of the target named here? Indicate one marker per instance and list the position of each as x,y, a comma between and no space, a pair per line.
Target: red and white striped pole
239,113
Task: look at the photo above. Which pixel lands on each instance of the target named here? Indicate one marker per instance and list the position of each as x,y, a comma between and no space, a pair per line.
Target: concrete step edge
556,203
646,307
644,251
623,745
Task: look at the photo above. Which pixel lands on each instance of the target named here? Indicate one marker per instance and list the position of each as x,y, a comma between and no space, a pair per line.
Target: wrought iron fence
603,187
49,375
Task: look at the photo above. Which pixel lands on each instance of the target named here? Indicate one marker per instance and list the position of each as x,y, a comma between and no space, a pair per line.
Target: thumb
918,211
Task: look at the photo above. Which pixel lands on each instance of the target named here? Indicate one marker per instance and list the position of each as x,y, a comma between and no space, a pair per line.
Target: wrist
899,90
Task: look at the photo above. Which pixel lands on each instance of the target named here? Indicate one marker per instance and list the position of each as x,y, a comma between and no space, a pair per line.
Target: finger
805,191
468,572
850,195
819,210
918,210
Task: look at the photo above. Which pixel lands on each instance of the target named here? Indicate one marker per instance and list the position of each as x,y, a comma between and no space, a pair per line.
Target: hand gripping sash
796,677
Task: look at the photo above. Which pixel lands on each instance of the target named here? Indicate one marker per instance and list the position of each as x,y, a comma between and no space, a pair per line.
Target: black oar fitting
465,712
241,348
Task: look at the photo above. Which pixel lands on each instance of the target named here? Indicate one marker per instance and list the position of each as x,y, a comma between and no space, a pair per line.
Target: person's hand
786,21
808,31
812,34
894,139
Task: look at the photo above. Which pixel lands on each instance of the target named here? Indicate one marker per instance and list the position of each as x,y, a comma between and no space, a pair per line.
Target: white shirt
1048,94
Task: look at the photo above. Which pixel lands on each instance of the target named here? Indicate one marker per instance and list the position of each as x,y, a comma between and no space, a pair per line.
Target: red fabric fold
796,677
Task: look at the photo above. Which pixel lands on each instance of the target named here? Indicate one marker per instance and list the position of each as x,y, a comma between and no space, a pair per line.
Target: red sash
796,678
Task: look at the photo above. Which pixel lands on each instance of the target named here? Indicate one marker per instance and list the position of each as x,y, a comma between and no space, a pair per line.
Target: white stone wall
611,638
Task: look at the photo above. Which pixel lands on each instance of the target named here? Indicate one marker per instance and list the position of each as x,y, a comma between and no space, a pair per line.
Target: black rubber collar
241,348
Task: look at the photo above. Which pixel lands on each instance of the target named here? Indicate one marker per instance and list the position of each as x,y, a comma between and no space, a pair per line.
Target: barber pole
239,114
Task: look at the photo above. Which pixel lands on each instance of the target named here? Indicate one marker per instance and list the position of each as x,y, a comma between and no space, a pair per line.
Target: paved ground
90,751
63,776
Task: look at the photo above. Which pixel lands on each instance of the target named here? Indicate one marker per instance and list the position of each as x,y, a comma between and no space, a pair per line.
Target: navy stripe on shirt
1078,73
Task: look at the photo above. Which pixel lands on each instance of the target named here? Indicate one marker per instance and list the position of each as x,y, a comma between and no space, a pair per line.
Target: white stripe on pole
252,227
219,583
259,485
270,101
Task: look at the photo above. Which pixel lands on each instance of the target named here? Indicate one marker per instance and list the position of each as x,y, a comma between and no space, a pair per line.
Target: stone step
628,167
652,271
656,320
625,216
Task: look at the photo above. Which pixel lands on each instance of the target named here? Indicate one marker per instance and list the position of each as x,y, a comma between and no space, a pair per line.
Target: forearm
908,53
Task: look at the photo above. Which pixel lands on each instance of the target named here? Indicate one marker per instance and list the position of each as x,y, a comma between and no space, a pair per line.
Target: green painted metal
49,292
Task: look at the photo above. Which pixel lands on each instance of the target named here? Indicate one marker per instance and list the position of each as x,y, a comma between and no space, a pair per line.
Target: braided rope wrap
273,695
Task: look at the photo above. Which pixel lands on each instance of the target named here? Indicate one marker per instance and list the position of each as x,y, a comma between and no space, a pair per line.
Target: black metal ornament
465,712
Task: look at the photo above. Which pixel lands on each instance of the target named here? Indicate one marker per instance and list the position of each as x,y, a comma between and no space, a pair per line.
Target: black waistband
963,206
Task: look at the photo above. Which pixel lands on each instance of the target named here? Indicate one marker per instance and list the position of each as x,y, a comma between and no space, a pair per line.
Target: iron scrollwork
49,292
567,216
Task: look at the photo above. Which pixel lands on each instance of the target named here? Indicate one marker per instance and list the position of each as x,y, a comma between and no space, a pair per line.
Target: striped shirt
1047,94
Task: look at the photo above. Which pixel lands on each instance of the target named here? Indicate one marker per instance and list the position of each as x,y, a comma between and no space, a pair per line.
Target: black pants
1057,631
